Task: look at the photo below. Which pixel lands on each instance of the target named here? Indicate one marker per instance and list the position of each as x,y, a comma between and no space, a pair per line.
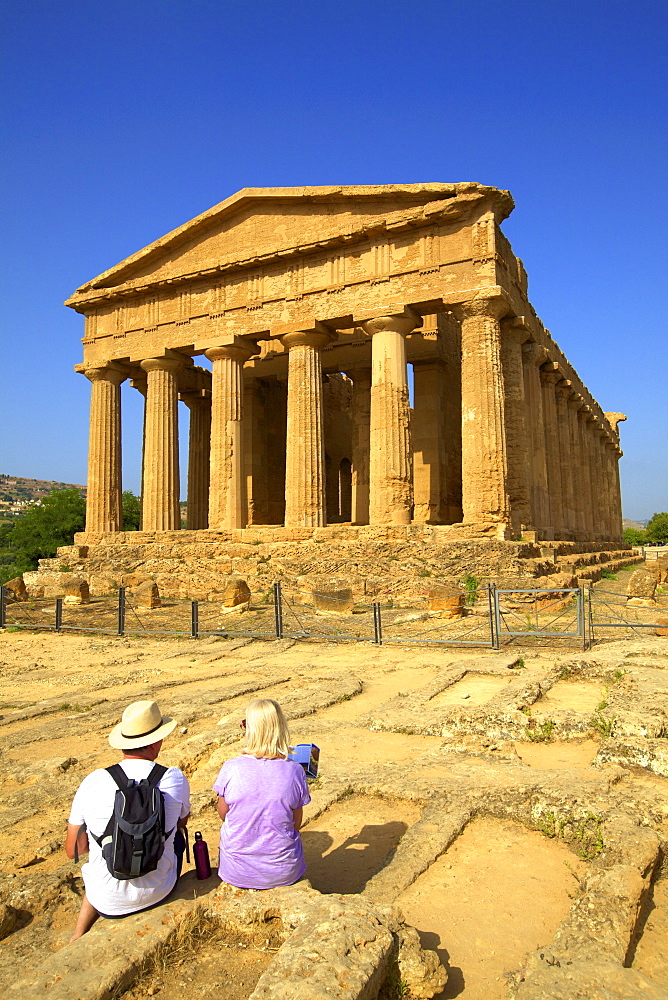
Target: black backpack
134,839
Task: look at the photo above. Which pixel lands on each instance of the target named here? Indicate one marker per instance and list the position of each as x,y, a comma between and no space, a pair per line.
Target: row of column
563,476
386,492
533,453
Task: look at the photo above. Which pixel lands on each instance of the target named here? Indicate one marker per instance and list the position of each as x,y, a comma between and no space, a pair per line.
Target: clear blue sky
123,120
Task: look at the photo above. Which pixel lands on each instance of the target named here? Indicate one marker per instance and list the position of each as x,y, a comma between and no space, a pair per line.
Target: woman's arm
297,815
223,808
76,835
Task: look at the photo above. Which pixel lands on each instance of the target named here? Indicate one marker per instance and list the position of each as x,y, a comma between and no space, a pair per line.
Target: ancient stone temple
311,305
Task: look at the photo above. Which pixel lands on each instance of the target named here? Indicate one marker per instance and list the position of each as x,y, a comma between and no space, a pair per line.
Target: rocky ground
513,805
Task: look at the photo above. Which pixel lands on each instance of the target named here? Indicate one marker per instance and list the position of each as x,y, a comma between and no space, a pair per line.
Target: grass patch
471,586
542,732
582,834
607,574
602,726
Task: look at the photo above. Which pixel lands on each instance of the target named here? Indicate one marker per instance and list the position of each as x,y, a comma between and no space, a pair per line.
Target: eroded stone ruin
311,303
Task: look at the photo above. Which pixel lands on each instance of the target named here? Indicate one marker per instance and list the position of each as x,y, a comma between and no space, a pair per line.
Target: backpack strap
119,776
157,774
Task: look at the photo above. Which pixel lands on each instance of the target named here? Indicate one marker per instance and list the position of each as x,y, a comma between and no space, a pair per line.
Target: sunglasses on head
242,724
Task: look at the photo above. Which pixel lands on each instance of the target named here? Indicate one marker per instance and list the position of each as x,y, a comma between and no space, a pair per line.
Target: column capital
402,323
317,337
516,328
164,364
548,376
491,304
564,389
195,397
534,353
614,419
237,348
110,372
575,400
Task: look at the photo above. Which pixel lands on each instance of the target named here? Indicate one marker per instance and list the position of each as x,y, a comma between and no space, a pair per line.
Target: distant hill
638,525
17,494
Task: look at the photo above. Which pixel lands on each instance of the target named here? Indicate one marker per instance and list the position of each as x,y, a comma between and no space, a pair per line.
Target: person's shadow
348,868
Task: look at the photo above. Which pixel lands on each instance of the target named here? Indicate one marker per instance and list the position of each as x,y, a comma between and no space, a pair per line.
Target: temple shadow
348,868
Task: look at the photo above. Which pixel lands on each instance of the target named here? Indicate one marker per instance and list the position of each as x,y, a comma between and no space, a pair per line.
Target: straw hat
141,724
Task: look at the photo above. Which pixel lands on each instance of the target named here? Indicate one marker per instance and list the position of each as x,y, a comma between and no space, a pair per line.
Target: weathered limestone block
10,919
147,595
236,592
326,593
663,569
15,589
75,590
661,626
339,601
447,597
642,584
420,970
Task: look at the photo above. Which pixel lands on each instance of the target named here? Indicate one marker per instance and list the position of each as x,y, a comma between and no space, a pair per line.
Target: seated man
93,807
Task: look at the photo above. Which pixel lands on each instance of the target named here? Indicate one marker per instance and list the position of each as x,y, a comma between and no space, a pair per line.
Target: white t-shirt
93,805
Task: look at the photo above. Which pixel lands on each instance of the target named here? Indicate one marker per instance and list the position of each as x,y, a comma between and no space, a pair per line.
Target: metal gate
557,614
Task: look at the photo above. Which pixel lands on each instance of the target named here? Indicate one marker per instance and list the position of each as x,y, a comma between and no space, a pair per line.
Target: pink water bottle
201,852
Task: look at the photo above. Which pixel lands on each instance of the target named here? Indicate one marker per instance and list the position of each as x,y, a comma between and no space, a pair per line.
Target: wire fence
483,617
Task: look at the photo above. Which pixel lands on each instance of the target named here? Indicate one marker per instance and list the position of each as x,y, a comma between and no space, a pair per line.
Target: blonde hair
266,730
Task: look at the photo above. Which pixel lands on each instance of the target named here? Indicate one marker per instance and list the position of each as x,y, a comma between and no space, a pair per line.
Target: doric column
575,403
390,466
584,416
103,501
513,336
484,458
199,439
227,487
160,489
140,383
305,447
600,486
549,376
255,451
562,392
533,356
617,529
361,423
608,452
428,436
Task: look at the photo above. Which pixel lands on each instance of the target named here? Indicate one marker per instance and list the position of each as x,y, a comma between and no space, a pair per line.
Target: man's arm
223,807
298,815
76,837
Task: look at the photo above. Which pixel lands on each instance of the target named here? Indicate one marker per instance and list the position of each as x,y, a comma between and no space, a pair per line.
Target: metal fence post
3,607
59,613
278,610
377,624
590,617
194,619
121,610
494,615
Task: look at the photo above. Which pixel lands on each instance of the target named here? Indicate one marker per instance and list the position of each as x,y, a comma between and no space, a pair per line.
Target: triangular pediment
257,224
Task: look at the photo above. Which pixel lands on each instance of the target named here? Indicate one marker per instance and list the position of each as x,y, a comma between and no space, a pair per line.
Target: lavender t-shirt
259,846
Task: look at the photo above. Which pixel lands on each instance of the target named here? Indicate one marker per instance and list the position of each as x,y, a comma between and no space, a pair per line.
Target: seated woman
261,795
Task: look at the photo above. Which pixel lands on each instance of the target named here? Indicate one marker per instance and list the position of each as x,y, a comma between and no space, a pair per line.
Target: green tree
657,528
635,536
131,511
38,533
